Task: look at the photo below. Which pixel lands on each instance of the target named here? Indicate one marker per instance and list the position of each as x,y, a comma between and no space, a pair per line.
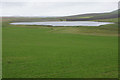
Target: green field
60,52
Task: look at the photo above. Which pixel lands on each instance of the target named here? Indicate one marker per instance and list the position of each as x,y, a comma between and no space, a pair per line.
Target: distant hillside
94,16
82,17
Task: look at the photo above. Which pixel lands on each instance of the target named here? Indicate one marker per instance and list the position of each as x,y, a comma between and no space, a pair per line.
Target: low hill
94,16
82,17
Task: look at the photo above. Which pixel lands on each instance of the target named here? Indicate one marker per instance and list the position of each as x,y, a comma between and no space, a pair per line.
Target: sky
55,7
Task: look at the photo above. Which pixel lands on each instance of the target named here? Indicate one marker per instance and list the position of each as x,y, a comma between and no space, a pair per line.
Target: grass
109,30
115,20
60,52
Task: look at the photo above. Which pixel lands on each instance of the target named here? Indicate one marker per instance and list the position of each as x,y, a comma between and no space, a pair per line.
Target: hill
81,17
94,16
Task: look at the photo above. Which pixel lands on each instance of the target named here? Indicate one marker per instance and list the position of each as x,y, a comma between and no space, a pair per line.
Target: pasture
60,52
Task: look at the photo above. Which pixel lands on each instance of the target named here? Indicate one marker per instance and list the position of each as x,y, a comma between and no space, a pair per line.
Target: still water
64,23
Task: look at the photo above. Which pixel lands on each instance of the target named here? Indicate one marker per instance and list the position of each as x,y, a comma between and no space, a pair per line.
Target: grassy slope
115,20
35,51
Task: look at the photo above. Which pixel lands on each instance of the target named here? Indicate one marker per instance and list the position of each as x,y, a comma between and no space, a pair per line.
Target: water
64,23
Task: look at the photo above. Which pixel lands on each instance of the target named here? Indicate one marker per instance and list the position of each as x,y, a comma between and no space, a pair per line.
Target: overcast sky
55,7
